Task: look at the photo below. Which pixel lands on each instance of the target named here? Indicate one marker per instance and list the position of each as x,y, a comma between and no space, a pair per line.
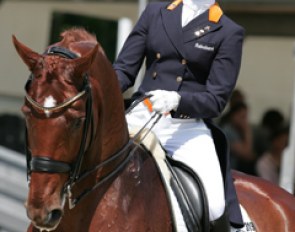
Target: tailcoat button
158,55
183,61
154,75
179,79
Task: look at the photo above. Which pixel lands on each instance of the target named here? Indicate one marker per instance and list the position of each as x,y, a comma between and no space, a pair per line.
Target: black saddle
191,196
192,199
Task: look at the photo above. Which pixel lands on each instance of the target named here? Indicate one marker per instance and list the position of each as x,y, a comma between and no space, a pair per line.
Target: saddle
185,191
191,196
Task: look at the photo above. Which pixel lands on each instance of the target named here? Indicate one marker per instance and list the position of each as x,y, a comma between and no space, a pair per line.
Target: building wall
30,22
267,74
267,68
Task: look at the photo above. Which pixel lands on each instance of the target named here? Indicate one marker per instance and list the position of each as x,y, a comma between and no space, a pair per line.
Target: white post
124,29
141,6
287,175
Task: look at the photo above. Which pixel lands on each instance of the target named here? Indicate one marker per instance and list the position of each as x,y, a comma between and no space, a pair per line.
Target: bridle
48,165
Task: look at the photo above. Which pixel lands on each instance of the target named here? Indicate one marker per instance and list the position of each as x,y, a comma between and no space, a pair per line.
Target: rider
193,55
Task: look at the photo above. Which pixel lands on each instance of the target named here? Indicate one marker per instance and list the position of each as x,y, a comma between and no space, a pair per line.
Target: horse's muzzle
45,220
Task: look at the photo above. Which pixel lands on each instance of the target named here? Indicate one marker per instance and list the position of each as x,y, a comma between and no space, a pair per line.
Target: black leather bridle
48,165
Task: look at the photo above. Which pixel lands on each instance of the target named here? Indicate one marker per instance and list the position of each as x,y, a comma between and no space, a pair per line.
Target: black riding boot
221,224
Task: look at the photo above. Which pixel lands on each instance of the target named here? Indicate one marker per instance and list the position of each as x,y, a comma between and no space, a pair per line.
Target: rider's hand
164,101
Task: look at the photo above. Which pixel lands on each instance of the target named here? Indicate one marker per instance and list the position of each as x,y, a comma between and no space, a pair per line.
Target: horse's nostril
55,216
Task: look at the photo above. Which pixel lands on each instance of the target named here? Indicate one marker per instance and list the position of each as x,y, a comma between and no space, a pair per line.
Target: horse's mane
69,37
76,35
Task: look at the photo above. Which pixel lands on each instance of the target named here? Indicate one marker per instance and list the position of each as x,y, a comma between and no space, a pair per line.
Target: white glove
164,101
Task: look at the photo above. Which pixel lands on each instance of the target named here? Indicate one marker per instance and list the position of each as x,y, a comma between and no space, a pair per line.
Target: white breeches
189,141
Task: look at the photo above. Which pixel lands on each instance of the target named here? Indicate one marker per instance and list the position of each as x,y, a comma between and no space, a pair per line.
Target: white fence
13,191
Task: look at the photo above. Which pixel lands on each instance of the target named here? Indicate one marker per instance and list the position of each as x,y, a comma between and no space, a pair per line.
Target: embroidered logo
204,47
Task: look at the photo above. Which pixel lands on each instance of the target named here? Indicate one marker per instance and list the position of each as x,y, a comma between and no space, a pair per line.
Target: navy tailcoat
200,61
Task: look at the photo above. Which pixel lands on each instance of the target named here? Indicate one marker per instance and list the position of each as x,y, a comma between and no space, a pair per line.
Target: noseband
45,164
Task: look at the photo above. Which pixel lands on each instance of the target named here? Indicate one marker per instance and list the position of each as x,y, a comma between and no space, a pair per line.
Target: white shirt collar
193,8
198,4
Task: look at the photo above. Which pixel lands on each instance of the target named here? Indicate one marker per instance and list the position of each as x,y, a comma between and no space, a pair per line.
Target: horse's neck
114,130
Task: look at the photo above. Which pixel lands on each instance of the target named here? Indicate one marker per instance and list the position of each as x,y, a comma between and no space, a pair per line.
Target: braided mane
75,35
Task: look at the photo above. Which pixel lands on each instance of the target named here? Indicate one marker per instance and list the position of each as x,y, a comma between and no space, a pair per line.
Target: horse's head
57,111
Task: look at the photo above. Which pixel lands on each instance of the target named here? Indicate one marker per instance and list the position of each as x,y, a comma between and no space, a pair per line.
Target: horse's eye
77,123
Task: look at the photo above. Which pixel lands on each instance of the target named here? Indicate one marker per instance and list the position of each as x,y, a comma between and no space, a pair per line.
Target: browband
61,52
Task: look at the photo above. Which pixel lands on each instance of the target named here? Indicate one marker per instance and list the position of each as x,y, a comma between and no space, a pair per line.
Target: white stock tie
193,8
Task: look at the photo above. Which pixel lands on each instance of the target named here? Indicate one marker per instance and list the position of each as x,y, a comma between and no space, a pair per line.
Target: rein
45,164
134,141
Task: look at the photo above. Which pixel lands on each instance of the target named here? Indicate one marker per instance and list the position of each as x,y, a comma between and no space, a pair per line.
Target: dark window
262,19
105,30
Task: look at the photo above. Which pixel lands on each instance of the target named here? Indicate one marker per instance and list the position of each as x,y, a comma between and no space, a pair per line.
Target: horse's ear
29,57
83,63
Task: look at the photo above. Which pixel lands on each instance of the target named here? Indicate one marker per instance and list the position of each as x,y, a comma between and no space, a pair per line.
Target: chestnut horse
83,171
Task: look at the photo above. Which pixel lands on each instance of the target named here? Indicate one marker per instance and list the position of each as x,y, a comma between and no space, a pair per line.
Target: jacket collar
172,23
203,24
199,27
